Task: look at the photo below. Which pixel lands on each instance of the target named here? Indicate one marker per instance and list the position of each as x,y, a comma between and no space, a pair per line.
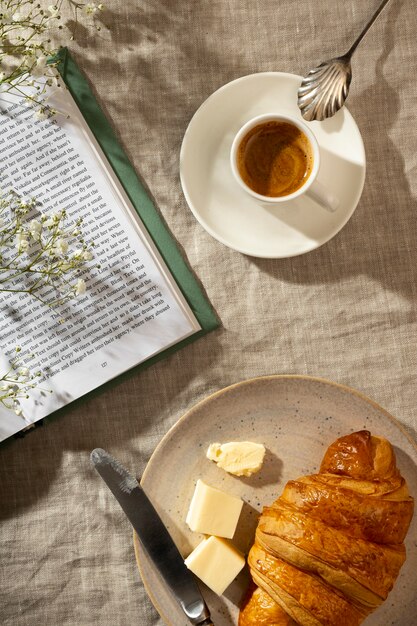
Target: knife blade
153,535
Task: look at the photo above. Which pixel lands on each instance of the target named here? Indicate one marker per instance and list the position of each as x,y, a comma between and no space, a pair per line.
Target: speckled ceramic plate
296,418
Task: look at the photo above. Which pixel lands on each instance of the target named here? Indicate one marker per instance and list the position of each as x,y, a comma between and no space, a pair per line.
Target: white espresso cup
311,187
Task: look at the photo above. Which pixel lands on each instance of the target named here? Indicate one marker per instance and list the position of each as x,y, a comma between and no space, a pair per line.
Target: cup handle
320,194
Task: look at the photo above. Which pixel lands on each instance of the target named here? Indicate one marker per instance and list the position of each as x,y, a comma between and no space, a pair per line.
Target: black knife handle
207,622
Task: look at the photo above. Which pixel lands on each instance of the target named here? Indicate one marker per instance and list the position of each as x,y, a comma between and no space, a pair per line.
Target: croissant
329,550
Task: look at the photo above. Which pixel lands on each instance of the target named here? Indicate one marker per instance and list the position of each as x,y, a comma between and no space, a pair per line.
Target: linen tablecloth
346,311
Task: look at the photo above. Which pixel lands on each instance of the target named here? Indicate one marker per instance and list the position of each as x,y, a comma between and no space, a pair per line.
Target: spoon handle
349,53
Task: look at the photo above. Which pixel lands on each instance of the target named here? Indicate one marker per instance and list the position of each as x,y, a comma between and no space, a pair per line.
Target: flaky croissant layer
330,548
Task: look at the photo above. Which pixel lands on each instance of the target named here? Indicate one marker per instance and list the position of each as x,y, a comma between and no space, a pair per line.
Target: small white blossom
40,114
16,17
35,229
87,255
53,10
53,219
22,243
39,68
91,8
80,287
61,247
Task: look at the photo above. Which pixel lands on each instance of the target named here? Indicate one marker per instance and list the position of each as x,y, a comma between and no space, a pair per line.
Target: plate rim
220,392
196,213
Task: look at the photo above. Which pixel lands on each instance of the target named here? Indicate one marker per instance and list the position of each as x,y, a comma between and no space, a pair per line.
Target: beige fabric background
346,312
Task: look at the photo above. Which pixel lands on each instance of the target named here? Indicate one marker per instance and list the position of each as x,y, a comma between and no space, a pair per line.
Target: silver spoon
324,90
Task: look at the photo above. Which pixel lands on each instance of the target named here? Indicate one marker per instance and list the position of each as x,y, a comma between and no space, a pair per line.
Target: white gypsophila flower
53,10
80,287
35,229
61,247
42,60
22,243
39,67
40,114
53,219
2,76
87,255
91,8
16,17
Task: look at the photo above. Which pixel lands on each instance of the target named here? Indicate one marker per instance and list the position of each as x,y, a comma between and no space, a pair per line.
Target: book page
132,308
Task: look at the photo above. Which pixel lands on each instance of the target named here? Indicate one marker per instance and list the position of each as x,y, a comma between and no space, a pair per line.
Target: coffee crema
275,158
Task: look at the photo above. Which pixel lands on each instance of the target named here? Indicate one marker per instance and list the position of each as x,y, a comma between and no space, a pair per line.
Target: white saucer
229,214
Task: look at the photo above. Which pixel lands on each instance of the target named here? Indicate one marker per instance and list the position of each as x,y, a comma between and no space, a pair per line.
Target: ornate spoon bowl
325,88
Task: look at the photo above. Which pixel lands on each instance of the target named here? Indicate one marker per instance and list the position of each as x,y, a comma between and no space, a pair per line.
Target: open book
134,310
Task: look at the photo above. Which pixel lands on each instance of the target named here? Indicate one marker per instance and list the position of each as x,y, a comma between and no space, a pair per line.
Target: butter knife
153,535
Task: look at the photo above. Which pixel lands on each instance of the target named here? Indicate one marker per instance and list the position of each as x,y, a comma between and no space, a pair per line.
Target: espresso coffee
275,158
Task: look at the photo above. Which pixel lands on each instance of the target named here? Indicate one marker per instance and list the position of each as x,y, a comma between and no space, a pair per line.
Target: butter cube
241,458
213,512
216,562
